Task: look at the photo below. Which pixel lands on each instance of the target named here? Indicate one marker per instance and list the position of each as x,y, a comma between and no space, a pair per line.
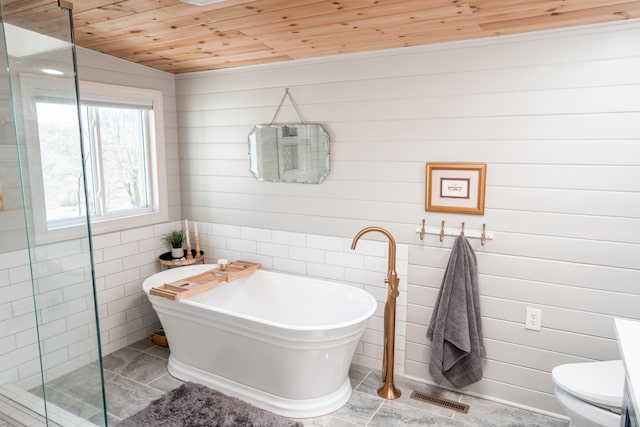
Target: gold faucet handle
393,286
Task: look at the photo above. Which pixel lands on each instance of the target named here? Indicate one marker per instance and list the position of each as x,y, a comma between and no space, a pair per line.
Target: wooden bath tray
202,282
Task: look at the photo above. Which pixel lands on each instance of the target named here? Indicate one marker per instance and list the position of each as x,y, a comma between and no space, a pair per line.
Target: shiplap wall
12,235
97,67
555,115
92,67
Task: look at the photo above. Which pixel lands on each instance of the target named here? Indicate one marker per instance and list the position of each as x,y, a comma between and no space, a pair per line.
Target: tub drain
439,401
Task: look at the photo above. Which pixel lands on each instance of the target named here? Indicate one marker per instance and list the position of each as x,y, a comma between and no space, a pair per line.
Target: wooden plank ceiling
177,37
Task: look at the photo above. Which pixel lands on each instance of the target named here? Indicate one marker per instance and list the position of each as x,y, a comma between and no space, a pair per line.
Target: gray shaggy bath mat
195,405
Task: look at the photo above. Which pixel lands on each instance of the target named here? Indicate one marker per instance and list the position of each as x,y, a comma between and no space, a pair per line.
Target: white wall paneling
553,114
100,68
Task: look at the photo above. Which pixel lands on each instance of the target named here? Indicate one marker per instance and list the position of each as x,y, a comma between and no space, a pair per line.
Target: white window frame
34,85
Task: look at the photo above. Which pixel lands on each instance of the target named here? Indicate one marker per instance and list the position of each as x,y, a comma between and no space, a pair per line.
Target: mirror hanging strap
286,93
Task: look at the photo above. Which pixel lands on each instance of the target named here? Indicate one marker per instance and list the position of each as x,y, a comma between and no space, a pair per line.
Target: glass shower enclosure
49,335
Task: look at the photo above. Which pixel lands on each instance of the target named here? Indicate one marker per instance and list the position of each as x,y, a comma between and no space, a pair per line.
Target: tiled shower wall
124,259
65,303
66,313
17,321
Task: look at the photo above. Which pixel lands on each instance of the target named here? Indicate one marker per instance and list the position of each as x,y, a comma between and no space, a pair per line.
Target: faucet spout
392,275
388,390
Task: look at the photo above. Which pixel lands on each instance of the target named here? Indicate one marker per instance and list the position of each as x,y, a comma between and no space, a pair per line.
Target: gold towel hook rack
482,234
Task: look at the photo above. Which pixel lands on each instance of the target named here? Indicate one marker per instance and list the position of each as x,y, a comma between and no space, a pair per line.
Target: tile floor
138,374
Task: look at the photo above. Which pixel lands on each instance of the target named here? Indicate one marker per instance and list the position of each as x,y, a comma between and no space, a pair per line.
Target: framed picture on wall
455,187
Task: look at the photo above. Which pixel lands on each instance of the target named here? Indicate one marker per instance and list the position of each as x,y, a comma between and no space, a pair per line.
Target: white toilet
590,393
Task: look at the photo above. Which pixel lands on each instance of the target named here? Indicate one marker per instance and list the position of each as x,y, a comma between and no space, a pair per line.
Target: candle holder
189,254
197,245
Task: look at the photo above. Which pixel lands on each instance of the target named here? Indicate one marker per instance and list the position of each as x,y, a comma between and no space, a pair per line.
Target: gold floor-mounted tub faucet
388,390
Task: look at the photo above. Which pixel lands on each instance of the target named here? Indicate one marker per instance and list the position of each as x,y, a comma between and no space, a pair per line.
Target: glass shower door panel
53,360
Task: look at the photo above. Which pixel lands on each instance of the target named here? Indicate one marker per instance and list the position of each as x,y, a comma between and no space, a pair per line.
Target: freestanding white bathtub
279,341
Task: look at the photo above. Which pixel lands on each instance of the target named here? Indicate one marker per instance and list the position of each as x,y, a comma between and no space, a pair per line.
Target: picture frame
455,187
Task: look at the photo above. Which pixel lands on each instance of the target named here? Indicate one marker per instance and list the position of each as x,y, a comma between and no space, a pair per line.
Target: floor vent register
445,403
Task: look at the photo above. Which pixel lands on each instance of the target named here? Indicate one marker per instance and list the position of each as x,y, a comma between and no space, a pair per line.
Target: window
116,147
123,154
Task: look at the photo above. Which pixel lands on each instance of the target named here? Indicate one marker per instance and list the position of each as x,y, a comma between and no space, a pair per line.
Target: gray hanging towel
455,329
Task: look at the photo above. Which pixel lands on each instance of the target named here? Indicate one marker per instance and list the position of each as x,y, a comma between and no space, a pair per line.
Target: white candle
195,226
186,227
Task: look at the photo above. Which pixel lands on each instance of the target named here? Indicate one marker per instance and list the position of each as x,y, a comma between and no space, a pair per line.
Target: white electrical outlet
533,319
